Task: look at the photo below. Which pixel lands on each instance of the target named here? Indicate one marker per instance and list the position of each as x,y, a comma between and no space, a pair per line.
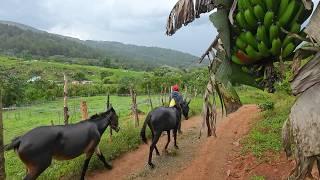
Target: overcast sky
140,22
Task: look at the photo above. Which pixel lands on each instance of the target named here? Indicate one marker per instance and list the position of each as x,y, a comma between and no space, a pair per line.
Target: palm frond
182,14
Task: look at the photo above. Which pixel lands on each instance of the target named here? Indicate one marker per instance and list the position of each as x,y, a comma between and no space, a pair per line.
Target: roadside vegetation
265,136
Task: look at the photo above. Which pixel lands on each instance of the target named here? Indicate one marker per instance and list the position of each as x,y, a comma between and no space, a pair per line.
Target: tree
106,62
2,164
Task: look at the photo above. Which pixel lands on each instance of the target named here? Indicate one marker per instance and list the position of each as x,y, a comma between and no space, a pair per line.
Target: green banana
251,40
249,17
241,20
246,4
240,44
259,2
276,47
270,5
287,51
288,14
263,49
240,6
288,39
259,12
242,36
295,28
252,53
283,7
268,18
236,60
262,34
273,32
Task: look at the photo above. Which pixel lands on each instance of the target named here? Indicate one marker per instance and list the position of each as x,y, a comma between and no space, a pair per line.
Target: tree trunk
150,100
65,101
2,160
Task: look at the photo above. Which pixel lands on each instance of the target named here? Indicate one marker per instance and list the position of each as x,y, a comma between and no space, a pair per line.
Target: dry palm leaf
204,6
313,27
181,14
307,76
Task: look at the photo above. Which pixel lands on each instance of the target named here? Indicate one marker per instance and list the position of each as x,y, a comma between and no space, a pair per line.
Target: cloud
139,22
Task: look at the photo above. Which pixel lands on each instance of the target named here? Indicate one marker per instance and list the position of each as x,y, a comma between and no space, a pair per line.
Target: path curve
207,161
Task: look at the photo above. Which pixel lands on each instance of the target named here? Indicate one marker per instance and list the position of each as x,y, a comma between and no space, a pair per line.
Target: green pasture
25,118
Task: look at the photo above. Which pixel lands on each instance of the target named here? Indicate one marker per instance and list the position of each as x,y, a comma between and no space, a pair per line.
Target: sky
140,22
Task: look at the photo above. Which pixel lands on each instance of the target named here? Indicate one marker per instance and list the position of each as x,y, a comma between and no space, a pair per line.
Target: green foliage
268,105
79,76
266,133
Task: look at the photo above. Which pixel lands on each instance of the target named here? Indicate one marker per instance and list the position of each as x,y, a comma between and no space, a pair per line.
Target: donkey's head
113,119
185,108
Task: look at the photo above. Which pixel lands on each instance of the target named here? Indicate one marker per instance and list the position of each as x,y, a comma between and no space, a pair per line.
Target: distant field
23,119
54,71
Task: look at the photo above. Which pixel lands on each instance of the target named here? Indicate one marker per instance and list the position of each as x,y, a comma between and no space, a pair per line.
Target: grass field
54,71
19,121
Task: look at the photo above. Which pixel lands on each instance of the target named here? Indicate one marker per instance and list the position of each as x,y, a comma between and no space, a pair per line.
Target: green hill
28,42
53,71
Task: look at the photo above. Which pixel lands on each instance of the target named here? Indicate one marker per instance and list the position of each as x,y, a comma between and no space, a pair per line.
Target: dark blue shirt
177,97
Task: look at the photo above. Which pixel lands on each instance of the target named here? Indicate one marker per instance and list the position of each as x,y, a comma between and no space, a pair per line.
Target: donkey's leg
152,136
179,128
152,146
85,165
37,166
102,159
175,138
165,148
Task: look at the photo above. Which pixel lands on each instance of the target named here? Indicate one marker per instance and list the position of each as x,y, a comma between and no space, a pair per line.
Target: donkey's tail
14,144
143,130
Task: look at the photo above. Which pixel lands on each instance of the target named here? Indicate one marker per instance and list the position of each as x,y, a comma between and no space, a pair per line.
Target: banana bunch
259,23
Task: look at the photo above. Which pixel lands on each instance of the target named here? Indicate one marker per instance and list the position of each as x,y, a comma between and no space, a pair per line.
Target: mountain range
28,42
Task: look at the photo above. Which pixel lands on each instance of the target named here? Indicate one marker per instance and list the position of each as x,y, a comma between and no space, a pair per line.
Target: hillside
28,42
53,71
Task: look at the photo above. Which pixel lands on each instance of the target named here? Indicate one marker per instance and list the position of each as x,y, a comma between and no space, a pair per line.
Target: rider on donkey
176,98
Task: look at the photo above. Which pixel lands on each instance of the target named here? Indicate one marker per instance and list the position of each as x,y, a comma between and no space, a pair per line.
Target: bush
269,105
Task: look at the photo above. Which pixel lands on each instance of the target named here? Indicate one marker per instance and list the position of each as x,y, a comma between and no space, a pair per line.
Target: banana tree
253,36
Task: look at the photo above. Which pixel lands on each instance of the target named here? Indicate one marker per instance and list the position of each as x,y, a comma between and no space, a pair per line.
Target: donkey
40,145
163,119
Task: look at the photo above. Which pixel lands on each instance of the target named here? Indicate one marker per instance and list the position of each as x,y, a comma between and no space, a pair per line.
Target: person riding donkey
176,98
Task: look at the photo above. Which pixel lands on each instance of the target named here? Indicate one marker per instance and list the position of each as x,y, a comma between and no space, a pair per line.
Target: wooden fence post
134,106
150,100
2,160
108,106
65,100
161,94
84,110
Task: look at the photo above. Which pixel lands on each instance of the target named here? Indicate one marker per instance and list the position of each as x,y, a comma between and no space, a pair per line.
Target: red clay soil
214,152
134,161
214,158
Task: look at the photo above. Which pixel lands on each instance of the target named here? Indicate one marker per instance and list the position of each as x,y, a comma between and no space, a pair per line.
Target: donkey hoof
151,165
157,153
176,146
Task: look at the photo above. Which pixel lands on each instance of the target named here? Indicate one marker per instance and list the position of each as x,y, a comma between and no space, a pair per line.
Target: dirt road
204,158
